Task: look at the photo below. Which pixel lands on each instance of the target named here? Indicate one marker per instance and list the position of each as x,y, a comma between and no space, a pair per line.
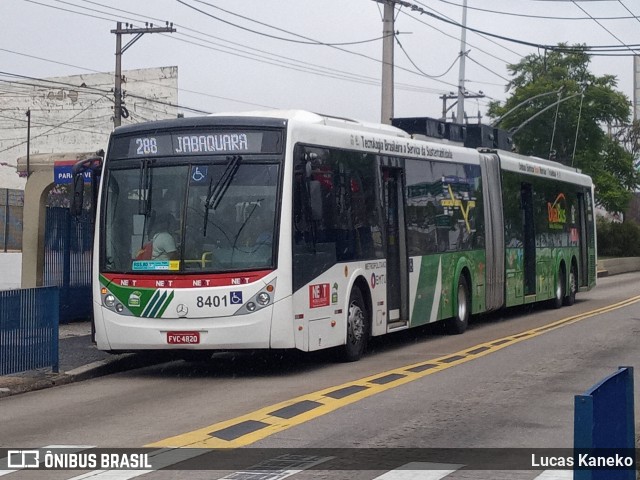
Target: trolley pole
387,62
138,32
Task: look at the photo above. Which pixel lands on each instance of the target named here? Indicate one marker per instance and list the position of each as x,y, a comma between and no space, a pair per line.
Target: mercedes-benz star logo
182,310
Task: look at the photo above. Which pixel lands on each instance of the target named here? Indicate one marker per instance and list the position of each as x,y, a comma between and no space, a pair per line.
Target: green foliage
591,103
618,239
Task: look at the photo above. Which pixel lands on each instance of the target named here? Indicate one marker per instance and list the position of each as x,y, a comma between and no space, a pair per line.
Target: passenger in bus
164,245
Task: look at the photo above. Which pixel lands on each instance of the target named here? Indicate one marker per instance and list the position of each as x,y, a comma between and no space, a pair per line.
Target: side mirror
78,194
79,170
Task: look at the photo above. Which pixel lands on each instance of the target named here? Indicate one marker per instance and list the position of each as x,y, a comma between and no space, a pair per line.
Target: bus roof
304,116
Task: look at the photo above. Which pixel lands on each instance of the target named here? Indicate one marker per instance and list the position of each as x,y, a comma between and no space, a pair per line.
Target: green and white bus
292,230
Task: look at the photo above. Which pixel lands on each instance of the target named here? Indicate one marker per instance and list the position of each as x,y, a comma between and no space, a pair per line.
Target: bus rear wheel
558,297
357,328
459,323
570,299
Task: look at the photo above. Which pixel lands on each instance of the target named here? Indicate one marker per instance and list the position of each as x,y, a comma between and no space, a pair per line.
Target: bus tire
558,297
459,323
357,328
570,299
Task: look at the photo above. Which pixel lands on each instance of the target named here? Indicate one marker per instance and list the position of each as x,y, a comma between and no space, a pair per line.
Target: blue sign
235,298
199,174
62,174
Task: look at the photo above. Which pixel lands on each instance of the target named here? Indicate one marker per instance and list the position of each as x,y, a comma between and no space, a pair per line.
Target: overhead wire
418,68
592,50
371,80
542,17
53,128
308,42
510,50
92,70
353,53
605,28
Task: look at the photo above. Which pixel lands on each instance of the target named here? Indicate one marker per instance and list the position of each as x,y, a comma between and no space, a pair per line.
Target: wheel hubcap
462,304
356,323
572,282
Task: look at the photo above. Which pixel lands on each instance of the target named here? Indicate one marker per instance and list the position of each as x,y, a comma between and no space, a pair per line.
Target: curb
122,363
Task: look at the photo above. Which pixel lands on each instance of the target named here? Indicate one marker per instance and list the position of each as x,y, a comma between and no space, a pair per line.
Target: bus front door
397,271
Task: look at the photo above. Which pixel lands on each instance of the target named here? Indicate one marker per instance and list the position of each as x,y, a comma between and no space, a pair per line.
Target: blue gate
28,329
67,261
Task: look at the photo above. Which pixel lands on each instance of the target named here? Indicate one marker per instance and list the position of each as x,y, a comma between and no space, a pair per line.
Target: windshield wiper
144,188
215,193
256,204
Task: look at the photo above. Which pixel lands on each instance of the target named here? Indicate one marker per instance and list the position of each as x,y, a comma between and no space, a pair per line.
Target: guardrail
29,329
604,427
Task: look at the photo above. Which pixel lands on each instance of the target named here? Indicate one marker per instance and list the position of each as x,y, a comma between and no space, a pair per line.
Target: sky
260,54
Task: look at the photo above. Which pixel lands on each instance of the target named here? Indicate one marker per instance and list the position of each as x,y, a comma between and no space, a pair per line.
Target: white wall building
75,113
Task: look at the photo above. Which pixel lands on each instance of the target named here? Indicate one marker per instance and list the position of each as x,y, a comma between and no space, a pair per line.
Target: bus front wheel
459,323
357,328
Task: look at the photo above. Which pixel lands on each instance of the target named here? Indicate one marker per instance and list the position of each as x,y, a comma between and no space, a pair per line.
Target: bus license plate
183,338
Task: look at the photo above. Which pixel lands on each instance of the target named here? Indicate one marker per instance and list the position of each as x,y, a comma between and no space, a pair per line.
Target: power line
488,69
371,80
543,17
604,28
480,35
418,68
309,42
252,49
422,11
336,47
54,128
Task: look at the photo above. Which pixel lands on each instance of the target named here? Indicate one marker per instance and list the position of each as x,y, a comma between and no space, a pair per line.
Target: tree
577,126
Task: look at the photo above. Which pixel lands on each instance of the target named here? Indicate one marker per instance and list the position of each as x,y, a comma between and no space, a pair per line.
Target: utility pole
28,143
388,32
138,32
463,55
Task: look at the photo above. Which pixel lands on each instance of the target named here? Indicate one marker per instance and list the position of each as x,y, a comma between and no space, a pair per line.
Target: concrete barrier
616,266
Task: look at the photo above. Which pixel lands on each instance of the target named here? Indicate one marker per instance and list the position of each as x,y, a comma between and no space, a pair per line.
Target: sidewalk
79,359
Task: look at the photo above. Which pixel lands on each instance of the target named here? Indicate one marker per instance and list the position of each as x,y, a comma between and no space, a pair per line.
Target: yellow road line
259,424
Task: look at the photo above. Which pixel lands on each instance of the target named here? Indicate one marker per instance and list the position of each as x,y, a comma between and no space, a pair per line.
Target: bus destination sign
195,143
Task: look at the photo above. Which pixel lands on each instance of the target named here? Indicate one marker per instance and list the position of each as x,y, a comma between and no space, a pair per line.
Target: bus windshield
216,216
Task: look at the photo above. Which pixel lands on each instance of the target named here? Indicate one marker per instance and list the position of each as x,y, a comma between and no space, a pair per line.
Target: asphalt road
519,394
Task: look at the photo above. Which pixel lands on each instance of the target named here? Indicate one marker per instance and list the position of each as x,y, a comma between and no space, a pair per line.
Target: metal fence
28,329
11,207
67,261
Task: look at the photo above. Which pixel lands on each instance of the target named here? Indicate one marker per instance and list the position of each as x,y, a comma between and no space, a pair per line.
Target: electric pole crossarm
138,32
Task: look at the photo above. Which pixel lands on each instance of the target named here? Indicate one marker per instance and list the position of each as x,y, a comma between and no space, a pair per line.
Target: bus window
336,216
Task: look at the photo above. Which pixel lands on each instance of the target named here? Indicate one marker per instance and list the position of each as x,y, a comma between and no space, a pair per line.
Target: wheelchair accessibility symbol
235,298
199,174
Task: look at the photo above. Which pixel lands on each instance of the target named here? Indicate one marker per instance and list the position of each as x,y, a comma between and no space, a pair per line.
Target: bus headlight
263,298
110,301
119,308
251,306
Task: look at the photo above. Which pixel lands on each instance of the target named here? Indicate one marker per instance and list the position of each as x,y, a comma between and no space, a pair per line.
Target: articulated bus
292,230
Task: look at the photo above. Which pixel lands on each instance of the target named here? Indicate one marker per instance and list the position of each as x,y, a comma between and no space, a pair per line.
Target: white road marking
420,471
